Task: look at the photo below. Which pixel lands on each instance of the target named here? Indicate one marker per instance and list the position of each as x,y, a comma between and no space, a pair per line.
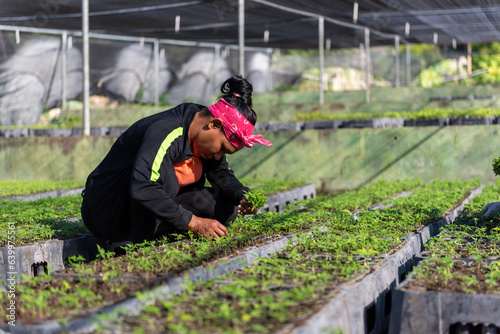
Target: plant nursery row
58,217
317,120
325,250
46,228
456,286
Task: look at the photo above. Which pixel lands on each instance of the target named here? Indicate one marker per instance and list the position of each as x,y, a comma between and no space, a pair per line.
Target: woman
152,181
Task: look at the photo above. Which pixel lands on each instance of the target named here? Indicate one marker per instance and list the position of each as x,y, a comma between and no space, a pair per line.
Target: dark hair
237,91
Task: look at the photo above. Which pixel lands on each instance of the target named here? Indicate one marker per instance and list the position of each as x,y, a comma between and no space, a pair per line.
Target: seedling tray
39,258
174,284
330,124
370,312
358,123
365,306
472,120
444,121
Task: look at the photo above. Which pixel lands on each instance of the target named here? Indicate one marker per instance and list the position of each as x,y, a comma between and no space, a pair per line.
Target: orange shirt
188,172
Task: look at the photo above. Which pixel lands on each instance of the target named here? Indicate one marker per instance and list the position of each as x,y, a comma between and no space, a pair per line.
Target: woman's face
211,142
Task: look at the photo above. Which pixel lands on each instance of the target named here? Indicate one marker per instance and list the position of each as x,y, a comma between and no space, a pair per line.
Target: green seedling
496,166
256,198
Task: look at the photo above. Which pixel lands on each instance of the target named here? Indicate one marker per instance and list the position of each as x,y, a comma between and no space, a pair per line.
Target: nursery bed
366,306
386,272
455,288
422,308
210,271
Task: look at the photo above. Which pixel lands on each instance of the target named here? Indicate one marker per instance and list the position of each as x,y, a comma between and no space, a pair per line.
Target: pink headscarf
237,128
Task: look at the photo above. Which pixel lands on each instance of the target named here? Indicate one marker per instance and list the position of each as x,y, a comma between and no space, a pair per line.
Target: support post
362,65
86,67
215,68
241,35
64,69
156,74
396,61
469,60
321,51
368,64
408,65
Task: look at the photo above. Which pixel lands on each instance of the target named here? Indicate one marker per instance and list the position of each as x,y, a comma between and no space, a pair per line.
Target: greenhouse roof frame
314,24
270,23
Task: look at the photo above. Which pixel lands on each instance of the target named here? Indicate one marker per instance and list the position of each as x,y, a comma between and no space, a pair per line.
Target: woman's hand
207,227
245,208
490,209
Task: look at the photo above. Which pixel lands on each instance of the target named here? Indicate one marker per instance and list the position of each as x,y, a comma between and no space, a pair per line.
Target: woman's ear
217,123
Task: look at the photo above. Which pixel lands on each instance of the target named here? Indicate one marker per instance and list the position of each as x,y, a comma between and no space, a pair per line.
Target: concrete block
14,133
440,312
97,131
41,257
388,122
278,202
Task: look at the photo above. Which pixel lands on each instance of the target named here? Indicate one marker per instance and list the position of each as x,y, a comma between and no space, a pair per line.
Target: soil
106,289
435,282
462,250
172,266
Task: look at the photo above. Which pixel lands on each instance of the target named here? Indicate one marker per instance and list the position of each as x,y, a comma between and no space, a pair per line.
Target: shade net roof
286,23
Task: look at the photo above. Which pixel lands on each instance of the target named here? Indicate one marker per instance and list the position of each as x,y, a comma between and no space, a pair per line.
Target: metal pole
368,63
64,68
86,67
396,61
156,74
362,65
469,60
321,42
269,77
408,65
215,67
241,35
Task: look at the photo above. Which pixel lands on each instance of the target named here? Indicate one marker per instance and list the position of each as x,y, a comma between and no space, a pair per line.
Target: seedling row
59,217
460,266
295,283
332,246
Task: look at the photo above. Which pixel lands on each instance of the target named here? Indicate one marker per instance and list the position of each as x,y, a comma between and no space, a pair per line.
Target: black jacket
139,167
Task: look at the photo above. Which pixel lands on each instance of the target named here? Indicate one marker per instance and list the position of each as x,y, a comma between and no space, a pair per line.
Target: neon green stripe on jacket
155,172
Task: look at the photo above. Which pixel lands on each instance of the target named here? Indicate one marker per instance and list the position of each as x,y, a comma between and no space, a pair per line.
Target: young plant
256,198
496,166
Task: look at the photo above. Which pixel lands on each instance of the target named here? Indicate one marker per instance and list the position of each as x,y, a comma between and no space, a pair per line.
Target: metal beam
321,52
86,67
64,68
396,61
241,35
368,64
408,65
104,12
156,74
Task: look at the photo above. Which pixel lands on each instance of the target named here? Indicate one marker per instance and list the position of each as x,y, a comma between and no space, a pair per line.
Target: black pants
202,202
